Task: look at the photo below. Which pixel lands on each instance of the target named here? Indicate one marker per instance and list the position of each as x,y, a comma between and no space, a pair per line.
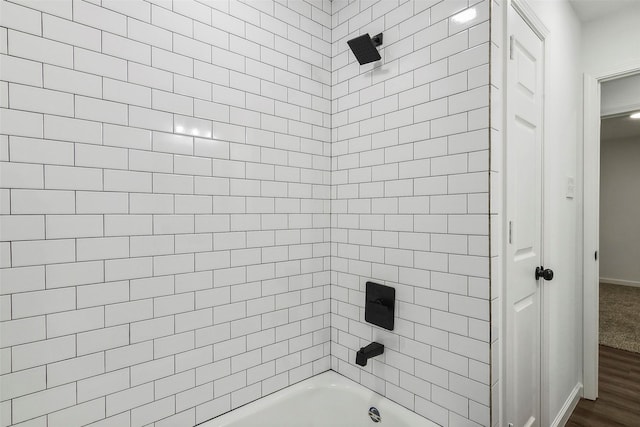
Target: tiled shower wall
165,186
165,207
410,162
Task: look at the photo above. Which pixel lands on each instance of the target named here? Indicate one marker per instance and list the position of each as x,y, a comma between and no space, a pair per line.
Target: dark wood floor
619,391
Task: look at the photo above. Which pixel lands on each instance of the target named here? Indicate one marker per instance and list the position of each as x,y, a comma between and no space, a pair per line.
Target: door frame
524,9
591,218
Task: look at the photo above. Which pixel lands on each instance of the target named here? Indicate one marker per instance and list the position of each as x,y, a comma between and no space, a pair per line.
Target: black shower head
364,48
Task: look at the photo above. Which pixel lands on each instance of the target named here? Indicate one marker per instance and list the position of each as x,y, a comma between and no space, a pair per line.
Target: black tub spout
366,353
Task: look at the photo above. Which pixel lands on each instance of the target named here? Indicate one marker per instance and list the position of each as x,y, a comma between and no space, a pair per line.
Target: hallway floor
620,317
619,401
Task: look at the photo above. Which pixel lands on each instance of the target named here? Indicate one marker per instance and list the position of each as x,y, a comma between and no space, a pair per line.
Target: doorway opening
619,248
605,99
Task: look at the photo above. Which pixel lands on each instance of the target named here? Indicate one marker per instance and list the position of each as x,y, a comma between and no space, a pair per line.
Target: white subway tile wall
194,193
164,200
410,202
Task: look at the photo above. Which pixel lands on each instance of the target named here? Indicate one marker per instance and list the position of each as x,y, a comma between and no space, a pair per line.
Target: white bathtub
326,400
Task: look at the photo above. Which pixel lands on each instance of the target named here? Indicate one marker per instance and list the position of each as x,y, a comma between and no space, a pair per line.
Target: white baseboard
619,282
568,407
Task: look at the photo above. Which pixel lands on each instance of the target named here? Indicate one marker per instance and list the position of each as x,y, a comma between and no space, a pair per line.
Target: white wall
620,211
611,42
410,181
563,120
165,207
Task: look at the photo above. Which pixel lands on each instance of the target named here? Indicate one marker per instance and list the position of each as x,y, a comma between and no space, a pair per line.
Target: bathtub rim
328,378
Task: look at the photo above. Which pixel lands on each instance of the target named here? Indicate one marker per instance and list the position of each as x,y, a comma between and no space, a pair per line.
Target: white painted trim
590,180
568,407
621,282
503,238
590,241
526,11
620,70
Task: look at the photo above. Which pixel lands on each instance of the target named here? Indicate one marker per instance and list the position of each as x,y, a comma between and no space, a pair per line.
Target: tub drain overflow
374,414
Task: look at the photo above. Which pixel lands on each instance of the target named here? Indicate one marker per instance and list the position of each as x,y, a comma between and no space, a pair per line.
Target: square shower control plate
380,304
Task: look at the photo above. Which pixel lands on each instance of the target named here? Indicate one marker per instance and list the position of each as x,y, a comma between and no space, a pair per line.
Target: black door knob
545,273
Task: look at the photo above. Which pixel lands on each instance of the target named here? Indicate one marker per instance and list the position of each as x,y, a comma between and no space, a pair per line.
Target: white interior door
524,215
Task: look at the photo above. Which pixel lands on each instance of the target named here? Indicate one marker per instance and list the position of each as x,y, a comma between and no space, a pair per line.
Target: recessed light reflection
465,16
195,132
635,115
179,129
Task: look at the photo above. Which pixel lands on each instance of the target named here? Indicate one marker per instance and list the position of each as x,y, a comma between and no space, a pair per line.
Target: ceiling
589,10
620,127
